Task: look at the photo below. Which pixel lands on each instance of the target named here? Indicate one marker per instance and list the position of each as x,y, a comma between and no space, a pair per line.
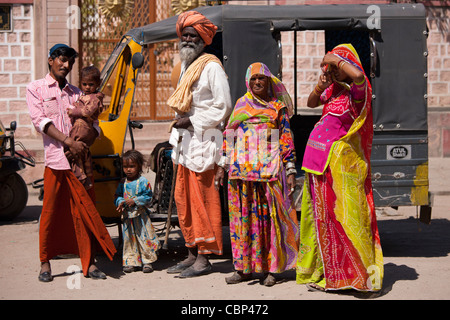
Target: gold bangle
318,91
341,64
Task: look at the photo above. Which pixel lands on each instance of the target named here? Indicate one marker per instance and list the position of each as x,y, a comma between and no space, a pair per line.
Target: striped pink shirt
48,103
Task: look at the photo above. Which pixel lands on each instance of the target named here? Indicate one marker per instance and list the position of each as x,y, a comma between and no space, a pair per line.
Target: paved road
416,260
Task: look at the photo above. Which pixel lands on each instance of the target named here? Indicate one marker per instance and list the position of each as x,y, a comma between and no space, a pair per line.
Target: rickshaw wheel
13,196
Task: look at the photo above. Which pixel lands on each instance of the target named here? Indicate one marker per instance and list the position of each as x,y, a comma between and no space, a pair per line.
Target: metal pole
172,191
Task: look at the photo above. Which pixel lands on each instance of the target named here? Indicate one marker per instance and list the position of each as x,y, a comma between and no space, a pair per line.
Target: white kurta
211,105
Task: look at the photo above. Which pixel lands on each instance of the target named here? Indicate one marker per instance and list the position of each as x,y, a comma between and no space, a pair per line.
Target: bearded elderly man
202,103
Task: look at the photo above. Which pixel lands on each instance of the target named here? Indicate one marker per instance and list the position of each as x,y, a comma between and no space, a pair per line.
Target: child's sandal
128,269
147,268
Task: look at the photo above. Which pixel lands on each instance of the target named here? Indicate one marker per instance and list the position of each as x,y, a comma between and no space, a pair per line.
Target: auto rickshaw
390,38
13,189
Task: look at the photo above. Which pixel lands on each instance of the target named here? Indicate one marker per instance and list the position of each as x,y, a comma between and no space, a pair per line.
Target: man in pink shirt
69,221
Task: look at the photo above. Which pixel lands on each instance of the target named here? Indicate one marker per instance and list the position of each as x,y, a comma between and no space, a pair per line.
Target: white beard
189,51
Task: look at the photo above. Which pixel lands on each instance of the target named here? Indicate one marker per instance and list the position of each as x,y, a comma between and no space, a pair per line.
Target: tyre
13,196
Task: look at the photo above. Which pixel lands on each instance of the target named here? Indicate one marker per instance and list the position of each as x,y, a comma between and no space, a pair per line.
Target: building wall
438,20
51,27
310,51
16,69
39,24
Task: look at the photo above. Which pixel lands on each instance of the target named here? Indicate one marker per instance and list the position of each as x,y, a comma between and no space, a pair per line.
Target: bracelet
222,163
64,141
291,171
341,64
290,165
318,91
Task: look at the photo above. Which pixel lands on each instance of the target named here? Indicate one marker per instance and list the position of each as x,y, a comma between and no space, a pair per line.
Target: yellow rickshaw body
108,148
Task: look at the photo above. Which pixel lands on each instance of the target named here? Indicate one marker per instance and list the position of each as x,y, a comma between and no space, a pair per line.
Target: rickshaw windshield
113,81
112,60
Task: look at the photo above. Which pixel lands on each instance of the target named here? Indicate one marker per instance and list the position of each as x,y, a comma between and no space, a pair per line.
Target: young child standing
140,243
83,114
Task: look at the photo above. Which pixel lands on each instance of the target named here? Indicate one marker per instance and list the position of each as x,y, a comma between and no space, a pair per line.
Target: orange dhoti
70,222
199,210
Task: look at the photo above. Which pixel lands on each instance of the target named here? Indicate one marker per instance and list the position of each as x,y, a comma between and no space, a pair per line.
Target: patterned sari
339,241
258,143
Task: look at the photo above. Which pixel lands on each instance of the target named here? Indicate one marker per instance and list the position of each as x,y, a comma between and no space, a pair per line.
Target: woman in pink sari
339,241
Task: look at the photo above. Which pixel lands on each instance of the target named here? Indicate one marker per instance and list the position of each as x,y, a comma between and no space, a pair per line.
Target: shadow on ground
411,238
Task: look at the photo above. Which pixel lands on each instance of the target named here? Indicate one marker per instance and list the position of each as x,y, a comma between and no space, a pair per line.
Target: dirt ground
416,262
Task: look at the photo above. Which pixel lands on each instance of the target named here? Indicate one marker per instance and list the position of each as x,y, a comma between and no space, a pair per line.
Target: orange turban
205,28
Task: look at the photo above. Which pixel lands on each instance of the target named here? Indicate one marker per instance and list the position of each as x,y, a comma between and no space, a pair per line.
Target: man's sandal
45,276
191,272
179,267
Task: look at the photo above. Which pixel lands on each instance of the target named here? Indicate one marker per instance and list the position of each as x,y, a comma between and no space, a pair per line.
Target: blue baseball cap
57,46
